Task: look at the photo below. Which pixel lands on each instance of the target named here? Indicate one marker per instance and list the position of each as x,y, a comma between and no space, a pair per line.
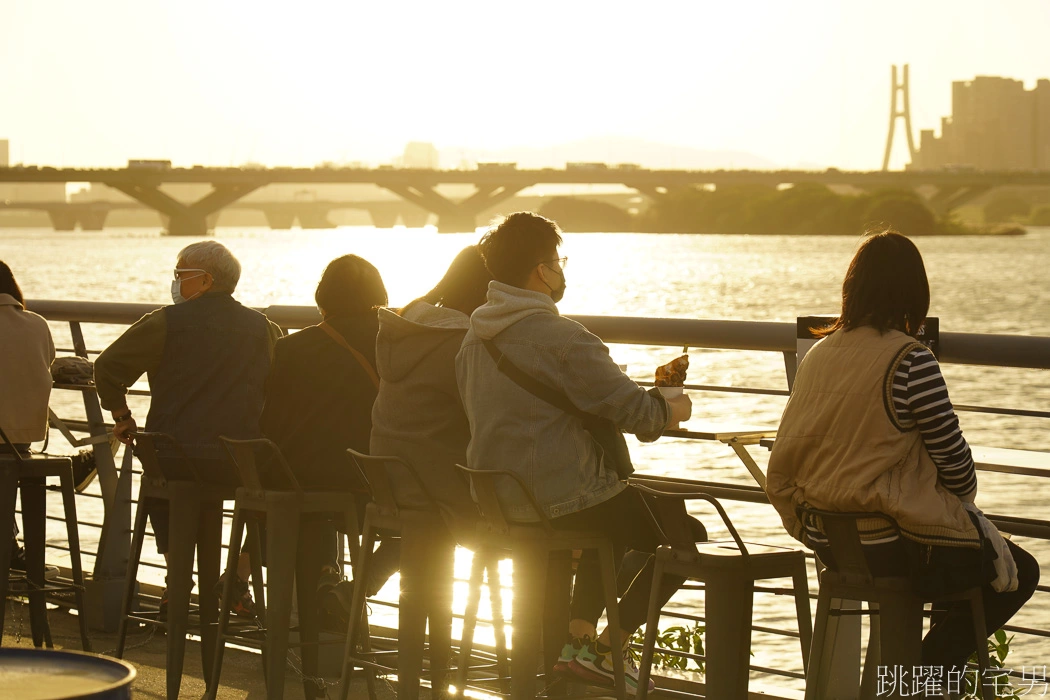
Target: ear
209,281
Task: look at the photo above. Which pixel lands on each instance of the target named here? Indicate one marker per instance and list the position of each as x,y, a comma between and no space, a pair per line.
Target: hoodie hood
506,306
404,341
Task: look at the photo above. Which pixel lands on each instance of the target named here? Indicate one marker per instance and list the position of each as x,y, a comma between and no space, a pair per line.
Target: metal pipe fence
959,348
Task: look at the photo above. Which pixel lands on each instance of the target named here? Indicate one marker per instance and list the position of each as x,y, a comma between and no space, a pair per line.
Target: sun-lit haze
220,82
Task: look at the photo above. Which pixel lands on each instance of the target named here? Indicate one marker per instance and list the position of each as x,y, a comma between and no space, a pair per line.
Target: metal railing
959,348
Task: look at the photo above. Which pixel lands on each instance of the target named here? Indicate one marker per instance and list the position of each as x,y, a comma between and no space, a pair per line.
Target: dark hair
8,285
885,287
517,244
350,285
465,284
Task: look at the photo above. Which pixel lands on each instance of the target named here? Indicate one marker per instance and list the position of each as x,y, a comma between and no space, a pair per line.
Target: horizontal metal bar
960,348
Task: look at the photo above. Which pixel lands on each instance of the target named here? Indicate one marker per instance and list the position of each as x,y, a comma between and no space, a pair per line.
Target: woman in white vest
869,428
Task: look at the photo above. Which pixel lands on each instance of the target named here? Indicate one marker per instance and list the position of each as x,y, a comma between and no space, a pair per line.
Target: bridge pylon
899,109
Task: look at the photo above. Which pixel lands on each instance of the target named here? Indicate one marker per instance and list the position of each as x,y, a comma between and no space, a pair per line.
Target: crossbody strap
361,359
532,385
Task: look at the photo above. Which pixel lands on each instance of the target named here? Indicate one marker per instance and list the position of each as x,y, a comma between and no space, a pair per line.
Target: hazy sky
224,81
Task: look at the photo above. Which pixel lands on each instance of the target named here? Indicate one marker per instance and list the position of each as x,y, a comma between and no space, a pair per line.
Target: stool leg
282,537
556,616
34,532
236,532
412,610
727,607
980,633
499,626
358,616
612,614
439,613
819,652
470,617
530,576
900,626
870,678
307,576
253,538
800,582
8,494
652,628
184,518
69,505
209,553
131,578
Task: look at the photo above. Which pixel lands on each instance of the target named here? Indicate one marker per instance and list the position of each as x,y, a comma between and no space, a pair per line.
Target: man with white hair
206,358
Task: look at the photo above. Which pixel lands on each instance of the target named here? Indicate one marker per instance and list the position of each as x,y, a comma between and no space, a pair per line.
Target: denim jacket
513,430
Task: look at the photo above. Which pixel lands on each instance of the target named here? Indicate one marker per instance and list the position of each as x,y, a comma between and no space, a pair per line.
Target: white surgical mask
176,289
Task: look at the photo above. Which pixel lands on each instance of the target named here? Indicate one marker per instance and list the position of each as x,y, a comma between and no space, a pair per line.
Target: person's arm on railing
136,351
920,397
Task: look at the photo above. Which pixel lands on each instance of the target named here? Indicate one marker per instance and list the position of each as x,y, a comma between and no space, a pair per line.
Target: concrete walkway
242,677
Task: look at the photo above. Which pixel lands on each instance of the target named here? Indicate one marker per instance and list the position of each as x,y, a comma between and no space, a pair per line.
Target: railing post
105,588
790,367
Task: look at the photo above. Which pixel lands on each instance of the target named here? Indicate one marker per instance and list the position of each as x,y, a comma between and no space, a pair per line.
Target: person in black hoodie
319,397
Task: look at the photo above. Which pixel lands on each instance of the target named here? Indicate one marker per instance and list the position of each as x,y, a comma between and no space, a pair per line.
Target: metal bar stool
728,571
427,557
28,473
271,492
195,519
531,546
896,612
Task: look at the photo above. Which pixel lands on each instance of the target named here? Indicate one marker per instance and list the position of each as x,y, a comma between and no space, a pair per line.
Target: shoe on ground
243,605
594,664
18,565
84,470
570,651
162,610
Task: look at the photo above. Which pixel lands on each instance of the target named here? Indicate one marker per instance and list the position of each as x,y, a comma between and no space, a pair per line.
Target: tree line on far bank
805,209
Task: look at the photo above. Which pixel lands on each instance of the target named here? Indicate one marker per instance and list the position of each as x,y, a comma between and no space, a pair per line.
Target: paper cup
670,392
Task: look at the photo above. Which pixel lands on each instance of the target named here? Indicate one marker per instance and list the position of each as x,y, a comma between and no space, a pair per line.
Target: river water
979,284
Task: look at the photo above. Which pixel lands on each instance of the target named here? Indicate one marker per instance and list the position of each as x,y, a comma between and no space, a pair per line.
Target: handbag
609,438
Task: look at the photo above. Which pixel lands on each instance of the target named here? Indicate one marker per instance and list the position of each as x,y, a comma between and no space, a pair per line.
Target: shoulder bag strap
532,385
361,359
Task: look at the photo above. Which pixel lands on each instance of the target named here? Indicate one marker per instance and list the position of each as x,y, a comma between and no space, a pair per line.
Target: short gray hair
215,259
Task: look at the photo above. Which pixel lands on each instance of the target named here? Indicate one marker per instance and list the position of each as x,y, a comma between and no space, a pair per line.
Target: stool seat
195,522
896,612
28,473
728,571
273,496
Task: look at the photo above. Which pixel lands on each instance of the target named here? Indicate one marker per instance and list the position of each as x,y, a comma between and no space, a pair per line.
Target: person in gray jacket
512,429
418,415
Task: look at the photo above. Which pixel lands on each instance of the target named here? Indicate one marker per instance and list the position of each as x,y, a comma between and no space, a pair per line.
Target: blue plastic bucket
46,674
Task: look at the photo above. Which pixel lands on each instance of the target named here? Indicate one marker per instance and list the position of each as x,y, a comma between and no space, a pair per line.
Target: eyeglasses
562,262
180,270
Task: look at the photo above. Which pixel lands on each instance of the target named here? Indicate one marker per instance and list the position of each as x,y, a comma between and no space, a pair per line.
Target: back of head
518,244
215,259
350,285
885,286
465,284
8,285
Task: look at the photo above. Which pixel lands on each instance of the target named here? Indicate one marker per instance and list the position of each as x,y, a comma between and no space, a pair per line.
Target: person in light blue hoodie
512,429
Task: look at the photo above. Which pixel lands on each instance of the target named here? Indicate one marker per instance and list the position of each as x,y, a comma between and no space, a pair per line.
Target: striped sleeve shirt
920,398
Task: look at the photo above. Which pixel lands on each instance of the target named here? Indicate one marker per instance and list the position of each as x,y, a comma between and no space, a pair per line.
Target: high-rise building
5,153
421,155
995,125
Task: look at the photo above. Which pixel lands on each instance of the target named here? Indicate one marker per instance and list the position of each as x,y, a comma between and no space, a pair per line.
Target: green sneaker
594,664
568,653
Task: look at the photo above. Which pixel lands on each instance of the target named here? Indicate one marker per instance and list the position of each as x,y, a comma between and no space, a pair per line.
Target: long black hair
465,284
8,285
885,287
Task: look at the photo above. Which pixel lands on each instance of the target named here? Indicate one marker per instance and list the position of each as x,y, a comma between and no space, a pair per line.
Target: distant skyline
217,82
